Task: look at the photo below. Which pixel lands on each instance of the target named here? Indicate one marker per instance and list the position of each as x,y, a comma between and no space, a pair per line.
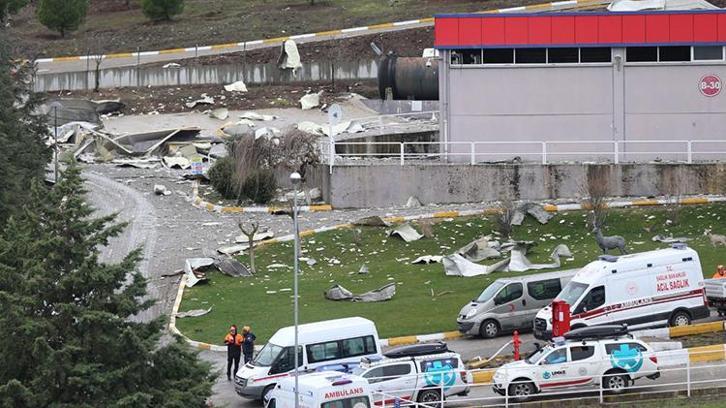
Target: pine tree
62,15
162,10
68,335
23,153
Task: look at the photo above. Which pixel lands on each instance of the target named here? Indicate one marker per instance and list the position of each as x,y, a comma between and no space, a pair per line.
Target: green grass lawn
414,310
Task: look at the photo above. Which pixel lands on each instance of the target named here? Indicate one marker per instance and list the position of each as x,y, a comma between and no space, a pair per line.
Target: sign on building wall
710,85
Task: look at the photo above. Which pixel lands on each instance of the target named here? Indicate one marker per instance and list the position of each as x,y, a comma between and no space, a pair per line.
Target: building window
531,56
707,53
471,57
499,56
456,58
641,54
563,55
595,54
674,54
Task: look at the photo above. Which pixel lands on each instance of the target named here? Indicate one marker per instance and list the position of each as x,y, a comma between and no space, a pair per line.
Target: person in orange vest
233,340
720,272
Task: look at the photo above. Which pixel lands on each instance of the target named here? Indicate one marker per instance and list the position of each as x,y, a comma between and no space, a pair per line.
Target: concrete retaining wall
205,74
357,186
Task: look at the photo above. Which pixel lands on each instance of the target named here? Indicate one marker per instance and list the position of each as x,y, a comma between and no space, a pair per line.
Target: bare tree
427,229
673,189
249,231
596,190
503,218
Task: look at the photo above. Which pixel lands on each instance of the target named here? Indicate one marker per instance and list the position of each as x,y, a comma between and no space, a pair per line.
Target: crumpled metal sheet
260,236
290,56
238,86
533,209
406,232
670,239
337,292
519,262
193,313
232,267
310,100
192,264
233,249
372,221
428,259
480,250
457,265
249,115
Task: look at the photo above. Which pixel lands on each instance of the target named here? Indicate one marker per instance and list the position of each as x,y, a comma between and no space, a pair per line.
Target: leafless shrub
596,190
673,190
503,218
427,229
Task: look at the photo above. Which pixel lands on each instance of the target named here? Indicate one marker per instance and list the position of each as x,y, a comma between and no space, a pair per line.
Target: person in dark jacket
248,344
233,340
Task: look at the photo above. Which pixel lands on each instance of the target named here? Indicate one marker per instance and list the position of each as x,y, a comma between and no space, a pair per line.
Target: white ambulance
648,289
328,389
339,342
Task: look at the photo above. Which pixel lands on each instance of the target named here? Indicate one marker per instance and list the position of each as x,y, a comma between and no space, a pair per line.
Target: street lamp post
295,178
55,142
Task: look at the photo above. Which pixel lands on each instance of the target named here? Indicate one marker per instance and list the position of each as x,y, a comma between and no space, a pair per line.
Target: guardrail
546,152
680,371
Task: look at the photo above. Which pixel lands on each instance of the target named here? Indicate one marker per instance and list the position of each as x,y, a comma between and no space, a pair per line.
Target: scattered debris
413,202
193,313
428,259
257,116
259,236
372,221
363,270
232,267
219,113
138,163
193,270
308,261
160,189
204,100
238,86
310,100
218,151
480,250
457,265
233,249
268,133
289,57
337,292
669,239
406,232
171,65
533,209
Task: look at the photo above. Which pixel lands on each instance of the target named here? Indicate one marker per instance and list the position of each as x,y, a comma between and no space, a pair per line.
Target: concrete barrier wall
357,186
206,74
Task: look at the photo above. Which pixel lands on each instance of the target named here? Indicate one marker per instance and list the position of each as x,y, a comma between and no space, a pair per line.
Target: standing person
233,340
248,344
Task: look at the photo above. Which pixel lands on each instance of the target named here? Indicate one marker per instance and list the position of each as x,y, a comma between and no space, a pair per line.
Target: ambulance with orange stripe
647,289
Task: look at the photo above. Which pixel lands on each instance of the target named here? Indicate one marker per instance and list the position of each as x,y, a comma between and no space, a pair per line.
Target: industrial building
555,87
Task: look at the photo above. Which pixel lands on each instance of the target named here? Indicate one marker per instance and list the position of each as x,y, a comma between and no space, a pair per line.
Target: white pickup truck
716,294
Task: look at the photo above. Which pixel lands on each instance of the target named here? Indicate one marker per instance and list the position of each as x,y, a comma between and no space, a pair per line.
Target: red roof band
580,29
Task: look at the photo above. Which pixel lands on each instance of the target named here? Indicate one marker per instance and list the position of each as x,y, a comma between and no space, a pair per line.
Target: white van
331,342
328,389
655,288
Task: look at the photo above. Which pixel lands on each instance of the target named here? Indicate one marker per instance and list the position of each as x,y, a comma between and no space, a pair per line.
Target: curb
552,6
199,202
413,339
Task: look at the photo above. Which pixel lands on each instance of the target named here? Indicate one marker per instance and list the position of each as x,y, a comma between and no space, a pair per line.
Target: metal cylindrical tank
414,78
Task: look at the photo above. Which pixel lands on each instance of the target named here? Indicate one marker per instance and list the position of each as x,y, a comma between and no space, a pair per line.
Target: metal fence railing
549,152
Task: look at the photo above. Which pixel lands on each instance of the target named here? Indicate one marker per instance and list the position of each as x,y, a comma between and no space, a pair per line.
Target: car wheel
616,383
489,329
521,390
266,391
680,318
428,396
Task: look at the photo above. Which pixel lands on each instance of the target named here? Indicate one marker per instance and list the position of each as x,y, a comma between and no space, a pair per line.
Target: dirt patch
172,99
705,339
111,27
406,43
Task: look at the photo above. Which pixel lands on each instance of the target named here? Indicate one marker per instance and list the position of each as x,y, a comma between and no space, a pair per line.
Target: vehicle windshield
572,292
490,291
267,355
538,354
355,402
